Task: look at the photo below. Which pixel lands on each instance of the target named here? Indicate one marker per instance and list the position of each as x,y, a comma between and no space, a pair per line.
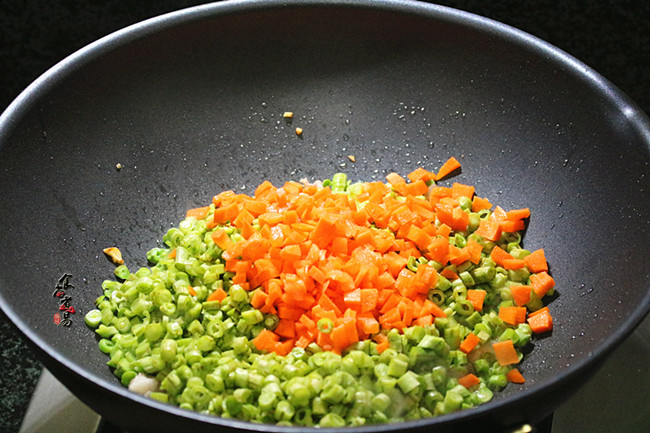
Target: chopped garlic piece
115,255
143,384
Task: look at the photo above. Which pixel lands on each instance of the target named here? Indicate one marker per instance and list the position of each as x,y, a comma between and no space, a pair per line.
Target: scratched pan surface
191,104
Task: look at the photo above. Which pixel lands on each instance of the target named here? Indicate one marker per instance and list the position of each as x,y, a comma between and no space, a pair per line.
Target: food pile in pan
330,304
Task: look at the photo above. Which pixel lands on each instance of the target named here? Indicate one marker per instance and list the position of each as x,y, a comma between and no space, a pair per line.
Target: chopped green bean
93,318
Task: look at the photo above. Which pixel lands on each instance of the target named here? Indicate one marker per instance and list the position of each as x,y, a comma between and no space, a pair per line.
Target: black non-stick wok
190,104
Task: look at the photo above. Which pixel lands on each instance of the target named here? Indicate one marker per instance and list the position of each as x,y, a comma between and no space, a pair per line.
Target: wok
190,104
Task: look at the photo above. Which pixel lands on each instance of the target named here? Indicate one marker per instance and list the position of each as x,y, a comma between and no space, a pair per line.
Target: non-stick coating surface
191,104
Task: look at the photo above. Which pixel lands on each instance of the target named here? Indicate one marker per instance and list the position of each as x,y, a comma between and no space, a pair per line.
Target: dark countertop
612,37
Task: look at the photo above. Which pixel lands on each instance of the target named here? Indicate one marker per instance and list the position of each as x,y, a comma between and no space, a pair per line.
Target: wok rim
636,119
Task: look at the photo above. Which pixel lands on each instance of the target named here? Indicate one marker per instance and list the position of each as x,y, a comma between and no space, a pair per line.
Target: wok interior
195,108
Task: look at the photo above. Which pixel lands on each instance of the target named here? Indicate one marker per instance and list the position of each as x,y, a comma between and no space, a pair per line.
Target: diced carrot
444,230
317,274
449,274
418,236
457,255
539,311
290,313
266,340
339,246
221,239
369,324
377,214
406,308
421,174
520,294
258,298
382,346
254,249
265,270
217,295
394,178
513,263
447,168
461,190
479,204
505,352
395,263
460,219
293,188
263,189
391,316
404,282
199,213
219,198
243,219
350,324
353,299
291,253
469,380
307,322
383,241
327,304
499,214
518,214
304,340
323,232
439,249
369,299
436,193
240,267
542,282
274,291
285,328
536,261
474,249
489,229
513,315
429,307
256,208
511,226
419,187
476,297
469,343
423,210
340,338
233,251
445,214
514,376
226,213
270,218
424,320
499,255
427,275
541,321
284,347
